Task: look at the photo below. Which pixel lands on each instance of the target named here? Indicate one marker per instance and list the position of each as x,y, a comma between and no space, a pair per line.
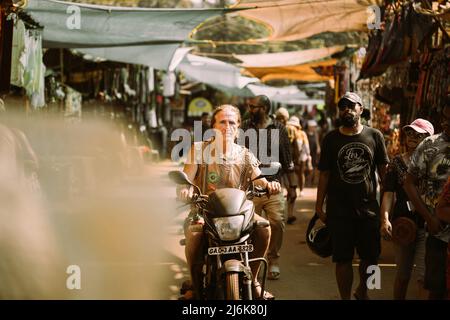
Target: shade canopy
291,58
132,35
213,72
293,20
304,72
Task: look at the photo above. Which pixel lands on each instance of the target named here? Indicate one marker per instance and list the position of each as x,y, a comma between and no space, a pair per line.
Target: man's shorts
435,265
348,233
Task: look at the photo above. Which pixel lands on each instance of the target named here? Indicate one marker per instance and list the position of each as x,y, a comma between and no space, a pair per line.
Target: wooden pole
61,63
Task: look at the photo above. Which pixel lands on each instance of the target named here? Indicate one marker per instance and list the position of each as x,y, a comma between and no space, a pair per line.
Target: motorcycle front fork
248,277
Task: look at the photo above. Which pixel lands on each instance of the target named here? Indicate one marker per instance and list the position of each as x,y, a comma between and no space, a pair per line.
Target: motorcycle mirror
179,177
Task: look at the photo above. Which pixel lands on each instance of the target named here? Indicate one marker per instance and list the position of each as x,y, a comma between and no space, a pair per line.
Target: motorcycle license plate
230,249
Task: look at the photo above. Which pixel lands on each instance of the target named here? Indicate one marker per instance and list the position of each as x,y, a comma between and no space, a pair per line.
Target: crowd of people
363,196
368,196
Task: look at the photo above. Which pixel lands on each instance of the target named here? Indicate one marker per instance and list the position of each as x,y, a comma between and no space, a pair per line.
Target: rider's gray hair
224,107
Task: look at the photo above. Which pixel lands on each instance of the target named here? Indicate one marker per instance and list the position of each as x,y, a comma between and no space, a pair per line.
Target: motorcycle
228,224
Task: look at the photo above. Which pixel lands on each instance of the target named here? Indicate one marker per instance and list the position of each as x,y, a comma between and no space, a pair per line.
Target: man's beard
257,117
349,120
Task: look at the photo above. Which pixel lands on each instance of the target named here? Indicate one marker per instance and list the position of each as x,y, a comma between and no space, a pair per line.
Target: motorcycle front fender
236,266
233,266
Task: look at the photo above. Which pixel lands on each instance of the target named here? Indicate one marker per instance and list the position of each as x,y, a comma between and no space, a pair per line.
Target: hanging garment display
72,103
403,34
169,80
18,49
34,77
432,83
28,70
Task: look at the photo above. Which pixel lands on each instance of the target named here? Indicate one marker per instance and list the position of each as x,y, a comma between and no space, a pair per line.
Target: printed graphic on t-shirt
213,177
354,161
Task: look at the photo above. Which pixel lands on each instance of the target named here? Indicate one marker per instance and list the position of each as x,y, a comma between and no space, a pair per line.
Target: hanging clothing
18,49
28,69
169,80
73,103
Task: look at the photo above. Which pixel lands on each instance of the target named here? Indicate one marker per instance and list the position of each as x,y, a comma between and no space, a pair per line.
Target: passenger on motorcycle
221,163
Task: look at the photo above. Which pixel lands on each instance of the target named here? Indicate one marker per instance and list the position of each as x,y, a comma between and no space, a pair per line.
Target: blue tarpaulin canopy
132,35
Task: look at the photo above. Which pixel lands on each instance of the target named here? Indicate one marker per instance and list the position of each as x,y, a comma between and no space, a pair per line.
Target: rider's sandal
188,295
257,293
186,291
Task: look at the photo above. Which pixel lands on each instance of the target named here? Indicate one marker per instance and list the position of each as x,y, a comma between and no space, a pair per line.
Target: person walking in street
289,180
303,162
314,147
272,206
351,154
427,174
206,123
300,155
231,166
395,201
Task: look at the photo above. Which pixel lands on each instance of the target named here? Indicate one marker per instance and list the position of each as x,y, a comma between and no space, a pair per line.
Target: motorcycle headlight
229,228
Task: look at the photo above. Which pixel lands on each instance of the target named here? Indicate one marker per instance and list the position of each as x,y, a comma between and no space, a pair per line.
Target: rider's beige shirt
215,171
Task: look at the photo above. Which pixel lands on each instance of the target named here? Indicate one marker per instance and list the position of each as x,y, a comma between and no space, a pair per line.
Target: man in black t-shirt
350,156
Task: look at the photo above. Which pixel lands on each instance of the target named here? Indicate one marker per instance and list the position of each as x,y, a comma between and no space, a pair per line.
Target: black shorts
435,265
349,233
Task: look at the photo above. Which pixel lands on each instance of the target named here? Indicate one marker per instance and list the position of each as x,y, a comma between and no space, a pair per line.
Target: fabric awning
303,72
270,91
296,99
287,95
293,20
213,72
131,35
291,58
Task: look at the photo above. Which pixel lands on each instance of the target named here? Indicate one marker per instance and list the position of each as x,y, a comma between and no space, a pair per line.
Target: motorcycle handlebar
197,198
259,192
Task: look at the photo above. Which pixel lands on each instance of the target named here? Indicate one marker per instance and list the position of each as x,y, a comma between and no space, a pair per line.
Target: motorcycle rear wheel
232,282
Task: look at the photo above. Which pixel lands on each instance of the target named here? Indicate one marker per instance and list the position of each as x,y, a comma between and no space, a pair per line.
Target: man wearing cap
351,154
427,174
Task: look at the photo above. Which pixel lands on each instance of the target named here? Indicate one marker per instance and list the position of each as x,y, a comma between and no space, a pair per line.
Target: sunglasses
254,106
345,105
415,135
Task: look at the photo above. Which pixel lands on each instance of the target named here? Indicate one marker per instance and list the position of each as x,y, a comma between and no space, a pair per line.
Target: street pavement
304,276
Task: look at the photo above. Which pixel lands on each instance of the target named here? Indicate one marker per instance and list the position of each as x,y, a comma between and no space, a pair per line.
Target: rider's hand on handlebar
273,187
185,193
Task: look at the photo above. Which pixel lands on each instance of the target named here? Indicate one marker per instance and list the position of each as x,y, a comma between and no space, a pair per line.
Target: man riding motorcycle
221,163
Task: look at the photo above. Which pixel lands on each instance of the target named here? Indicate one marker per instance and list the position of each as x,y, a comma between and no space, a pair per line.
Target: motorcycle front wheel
232,286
